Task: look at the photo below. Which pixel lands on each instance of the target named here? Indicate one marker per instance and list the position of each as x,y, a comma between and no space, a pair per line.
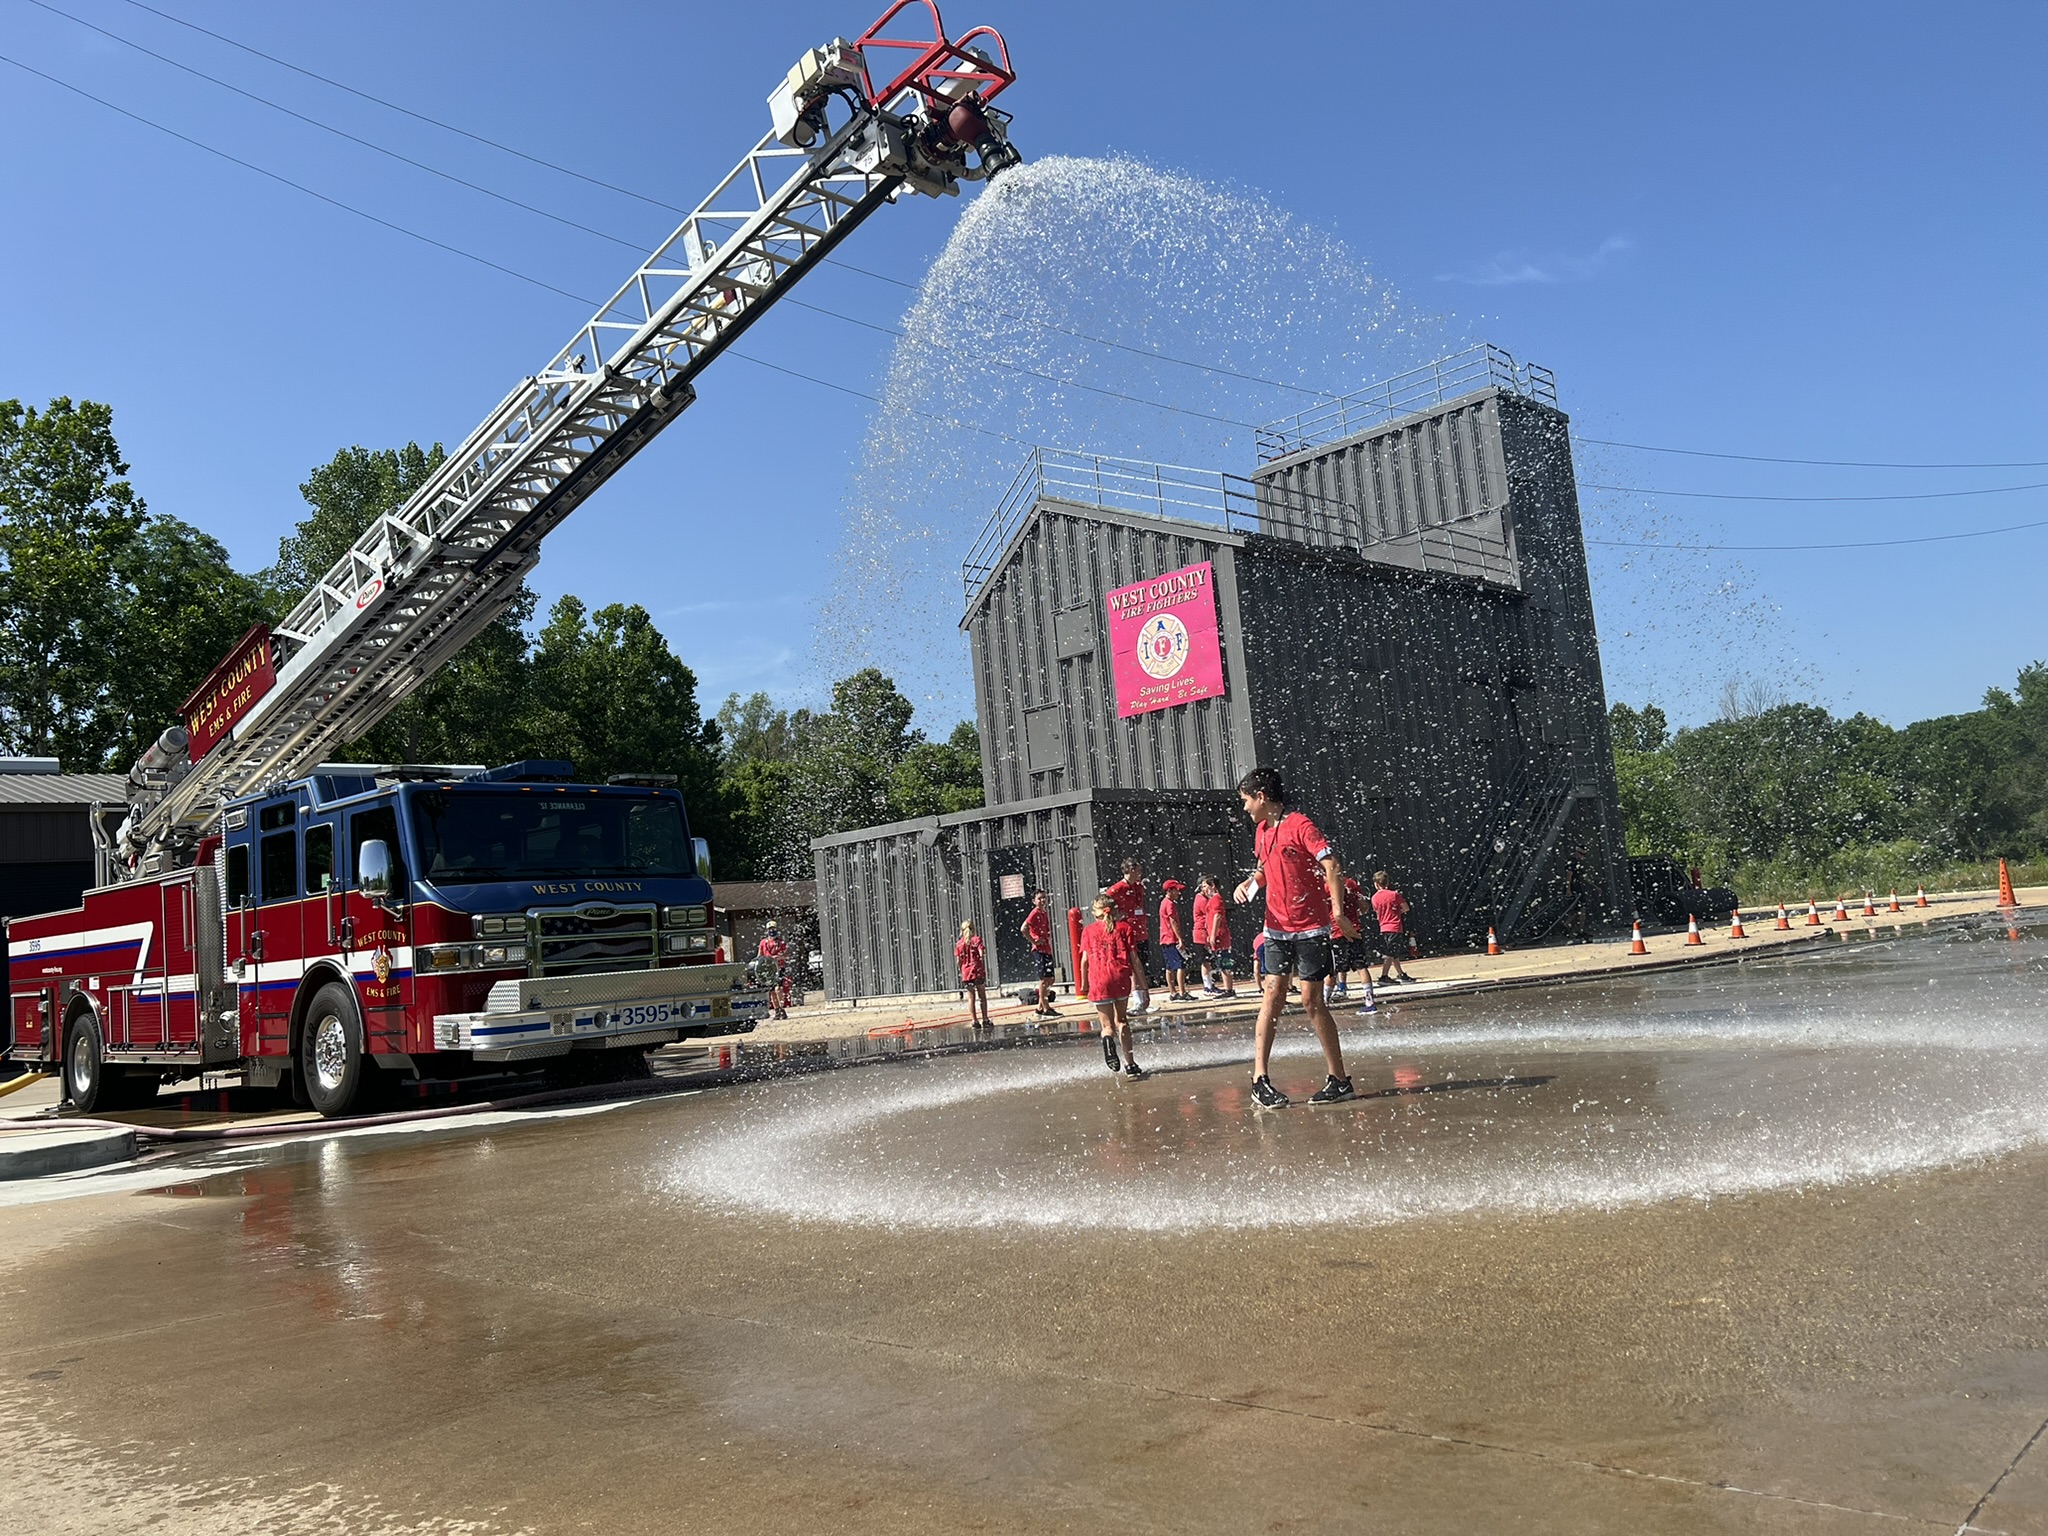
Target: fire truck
313,925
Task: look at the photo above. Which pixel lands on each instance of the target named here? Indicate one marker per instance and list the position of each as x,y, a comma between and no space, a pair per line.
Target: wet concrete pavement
851,1301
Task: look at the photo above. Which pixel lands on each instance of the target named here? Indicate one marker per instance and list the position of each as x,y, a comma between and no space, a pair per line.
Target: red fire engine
312,924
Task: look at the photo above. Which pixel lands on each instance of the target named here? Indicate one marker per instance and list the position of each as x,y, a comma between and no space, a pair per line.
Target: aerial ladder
901,109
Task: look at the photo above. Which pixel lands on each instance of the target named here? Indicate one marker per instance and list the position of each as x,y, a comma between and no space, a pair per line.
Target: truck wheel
86,1076
90,1082
331,1063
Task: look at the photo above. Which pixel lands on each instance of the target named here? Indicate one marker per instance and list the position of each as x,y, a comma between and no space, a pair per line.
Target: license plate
644,1015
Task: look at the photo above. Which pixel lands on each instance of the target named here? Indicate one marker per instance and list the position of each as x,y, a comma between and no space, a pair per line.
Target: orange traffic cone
1735,925
1921,899
1841,910
1784,923
1812,913
1692,931
1492,944
1636,946
2005,895
1869,904
1895,901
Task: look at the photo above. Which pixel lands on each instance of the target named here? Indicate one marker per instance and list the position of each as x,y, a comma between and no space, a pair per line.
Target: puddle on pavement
1822,1068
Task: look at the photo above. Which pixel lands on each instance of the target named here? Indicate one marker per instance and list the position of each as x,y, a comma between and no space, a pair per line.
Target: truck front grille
578,941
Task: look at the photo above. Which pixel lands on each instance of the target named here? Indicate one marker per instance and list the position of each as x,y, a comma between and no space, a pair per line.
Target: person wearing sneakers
971,955
1127,896
1215,939
1303,884
1390,913
1106,977
1348,955
1170,942
1037,931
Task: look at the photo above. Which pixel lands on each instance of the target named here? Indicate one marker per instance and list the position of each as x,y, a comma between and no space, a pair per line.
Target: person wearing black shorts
1302,910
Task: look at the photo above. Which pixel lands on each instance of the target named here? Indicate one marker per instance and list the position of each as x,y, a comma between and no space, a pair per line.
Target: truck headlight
503,954
687,943
442,957
689,917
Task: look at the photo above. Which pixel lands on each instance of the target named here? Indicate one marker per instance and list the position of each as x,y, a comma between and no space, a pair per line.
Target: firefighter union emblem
1163,646
380,962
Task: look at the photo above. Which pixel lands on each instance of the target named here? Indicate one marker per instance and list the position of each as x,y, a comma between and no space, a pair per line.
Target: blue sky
1813,231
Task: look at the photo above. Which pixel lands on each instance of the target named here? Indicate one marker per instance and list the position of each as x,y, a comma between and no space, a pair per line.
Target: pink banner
1163,641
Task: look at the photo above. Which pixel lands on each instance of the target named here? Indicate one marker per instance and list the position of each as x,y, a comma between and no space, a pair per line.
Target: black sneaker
1109,1052
1266,1096
1133,1070
1335,1090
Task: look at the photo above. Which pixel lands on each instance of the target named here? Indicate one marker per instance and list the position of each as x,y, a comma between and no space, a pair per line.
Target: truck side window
380,824
238,874
280,857
319,859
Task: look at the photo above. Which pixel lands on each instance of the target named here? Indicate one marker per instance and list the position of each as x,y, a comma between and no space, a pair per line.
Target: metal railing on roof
1231,502
1478,367
1162,490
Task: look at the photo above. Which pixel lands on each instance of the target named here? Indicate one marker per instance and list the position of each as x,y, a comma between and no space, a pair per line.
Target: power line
334,202
1100,341
1651,490
340,133
1758,458
393,106
1930,538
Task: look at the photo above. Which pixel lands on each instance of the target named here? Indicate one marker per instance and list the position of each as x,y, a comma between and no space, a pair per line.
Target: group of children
1316,932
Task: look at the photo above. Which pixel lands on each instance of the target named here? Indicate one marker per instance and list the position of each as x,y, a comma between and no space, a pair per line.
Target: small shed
47,857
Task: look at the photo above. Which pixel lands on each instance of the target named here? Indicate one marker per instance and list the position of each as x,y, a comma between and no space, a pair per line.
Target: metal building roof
60,788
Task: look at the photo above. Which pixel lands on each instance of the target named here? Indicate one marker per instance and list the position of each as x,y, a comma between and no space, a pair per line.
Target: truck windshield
470,836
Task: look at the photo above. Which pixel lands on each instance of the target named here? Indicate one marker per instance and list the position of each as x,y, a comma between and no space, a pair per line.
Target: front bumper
526,1018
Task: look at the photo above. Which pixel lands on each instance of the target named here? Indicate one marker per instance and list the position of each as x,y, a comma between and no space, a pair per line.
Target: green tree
936,778
607,693
109,616
1638,730
347,494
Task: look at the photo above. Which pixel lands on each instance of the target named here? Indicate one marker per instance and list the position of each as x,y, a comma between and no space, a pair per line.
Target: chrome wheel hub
81,1063
330,1052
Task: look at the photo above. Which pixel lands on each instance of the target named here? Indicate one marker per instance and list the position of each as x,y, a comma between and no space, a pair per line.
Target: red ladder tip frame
941,65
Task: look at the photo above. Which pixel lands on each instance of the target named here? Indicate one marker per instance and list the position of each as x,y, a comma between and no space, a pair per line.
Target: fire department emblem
380,962
1163,646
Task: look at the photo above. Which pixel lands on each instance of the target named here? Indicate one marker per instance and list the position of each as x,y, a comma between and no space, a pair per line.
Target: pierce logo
1163,646
369,593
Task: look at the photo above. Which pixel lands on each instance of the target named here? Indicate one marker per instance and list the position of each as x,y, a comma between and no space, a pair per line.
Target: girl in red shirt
968,953
1106,974
1170,942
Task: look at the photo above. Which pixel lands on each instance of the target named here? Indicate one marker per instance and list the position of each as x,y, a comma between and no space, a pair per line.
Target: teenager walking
1303,884
971,956
1037,931
1106,976
1390,915
1128,899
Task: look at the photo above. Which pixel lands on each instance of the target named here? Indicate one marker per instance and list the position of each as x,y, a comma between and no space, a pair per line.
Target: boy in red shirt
1106,974
1348,955
1037,930
1390,910
1212,933
971,955
1304,889
1127,898
1170,941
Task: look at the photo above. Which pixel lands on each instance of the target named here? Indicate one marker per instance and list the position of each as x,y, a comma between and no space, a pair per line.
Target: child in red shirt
1038,930
970,955
1127,897
1390,911
1212,933
1170,941
1106,973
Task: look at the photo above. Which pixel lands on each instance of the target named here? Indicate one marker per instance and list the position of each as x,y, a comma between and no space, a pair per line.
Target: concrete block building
1392,609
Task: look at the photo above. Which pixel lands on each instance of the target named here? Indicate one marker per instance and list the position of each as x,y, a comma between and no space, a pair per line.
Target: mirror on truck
703,851
373,870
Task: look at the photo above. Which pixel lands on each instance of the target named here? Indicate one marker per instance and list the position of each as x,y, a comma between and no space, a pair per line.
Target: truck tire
332,1065
90,1082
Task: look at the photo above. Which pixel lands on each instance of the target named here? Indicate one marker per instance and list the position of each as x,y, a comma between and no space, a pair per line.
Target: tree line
1780,799
111,615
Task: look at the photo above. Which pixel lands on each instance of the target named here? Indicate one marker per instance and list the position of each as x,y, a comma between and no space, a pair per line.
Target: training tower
1393,609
